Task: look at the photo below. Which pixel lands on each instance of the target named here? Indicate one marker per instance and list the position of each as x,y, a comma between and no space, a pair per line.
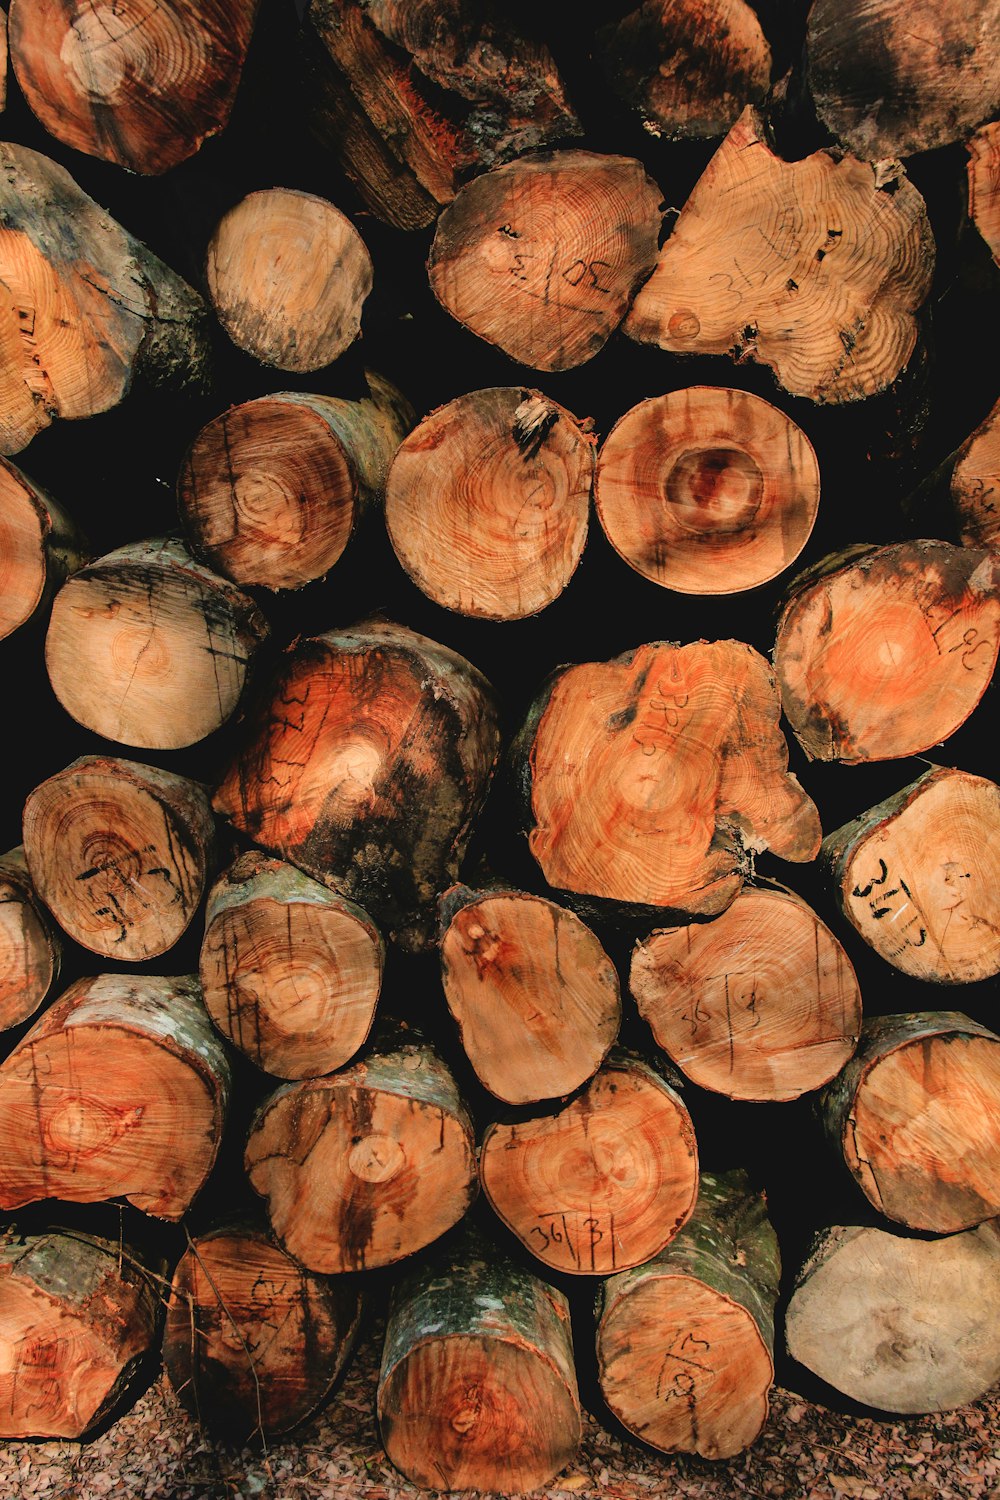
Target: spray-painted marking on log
684,1365
882,903
664,719
581,1241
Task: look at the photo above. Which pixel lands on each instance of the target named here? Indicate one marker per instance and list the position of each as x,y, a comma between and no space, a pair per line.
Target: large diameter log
685,1343
367,768
254,1343
916,1116
604,1182
30,946
141,85
77,1316
365,1167
651,776
885,653
901,1324
707,490
39,548
119,1091
119,853
488,501
893,77
288,275
918,876
291,973
149,648
984,185
477,1388
535,996
815,268
84,306
542,257
271,491
760,1003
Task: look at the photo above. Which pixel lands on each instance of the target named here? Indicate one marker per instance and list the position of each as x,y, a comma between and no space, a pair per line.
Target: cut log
707,490
147,647
288,275
78,1316
916,1115
365,1167
488,501
901,1324
893,77
409,96
652,776
984,185
4,57
975,485
84,306
603,1183
884,652
119,1091
918,876
142,84
39,548
253,1343
272,491
290,972
543,257
687,69
761,1003
30,946
367,769
685,1343
120,854
815,268
533,993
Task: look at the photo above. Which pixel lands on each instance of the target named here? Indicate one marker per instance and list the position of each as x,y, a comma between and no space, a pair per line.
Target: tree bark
119,1091
984,185
30,946
39,548
685,1343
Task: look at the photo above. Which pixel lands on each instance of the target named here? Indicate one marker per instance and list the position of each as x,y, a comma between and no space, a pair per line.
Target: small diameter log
147,647
84,307
477,1388
533,993
288,274
488,501
890,78
4,57
543,257
141,85
885,652
815,268
901,1324
984,185
77,1317
271,492
975,485
916,1116
707,490
366,1166
687,69
253,1343
119,1091
290,972
39,548
30,946
604,1182
119,853
760,1003
367,768
685,1343
651,776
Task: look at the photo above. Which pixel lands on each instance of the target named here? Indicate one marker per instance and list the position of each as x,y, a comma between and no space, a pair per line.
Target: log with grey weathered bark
30,945
39,548
915,1115
367,767
119,1091
477,1387
291,972
84,307
120,853
984,185
899,1323
253,1342
4,57
685,1342
78,1315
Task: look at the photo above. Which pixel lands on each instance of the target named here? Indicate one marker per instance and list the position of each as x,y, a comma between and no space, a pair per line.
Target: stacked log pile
430,895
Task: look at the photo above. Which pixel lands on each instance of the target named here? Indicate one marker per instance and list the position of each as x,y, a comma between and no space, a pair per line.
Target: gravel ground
805,1453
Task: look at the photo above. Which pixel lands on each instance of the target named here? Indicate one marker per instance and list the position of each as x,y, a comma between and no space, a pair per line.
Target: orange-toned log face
975,482
22,551
28,955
